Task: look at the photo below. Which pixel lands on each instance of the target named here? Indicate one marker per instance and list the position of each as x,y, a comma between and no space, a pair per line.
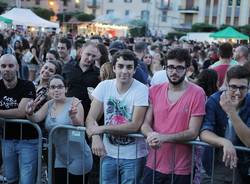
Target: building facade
162,16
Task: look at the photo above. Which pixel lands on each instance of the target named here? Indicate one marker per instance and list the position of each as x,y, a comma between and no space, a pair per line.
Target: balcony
164,7
93,4
189,10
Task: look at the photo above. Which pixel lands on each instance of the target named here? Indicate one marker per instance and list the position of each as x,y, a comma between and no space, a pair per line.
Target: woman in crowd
157,62
49,69
104,55
62,110
208,80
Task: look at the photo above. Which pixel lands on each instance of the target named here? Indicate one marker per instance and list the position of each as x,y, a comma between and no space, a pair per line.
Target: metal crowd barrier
39,132
76,131
117,160
193,144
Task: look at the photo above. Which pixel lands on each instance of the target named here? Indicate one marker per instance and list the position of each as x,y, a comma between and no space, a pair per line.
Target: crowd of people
169,91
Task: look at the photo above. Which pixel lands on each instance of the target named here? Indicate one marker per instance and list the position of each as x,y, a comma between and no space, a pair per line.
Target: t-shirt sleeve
29,90
198,107
142,96
210,117
99,91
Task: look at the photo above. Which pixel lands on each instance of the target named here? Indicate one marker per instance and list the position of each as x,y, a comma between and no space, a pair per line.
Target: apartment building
160,15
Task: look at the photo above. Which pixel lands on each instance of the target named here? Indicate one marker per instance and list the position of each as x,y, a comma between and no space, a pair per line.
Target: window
37,2
127,1
126,12
164,16
110,1
77,5
145,15
109,11
145,1
230,2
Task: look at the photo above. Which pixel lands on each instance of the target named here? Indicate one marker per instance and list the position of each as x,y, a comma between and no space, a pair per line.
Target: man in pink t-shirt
175,115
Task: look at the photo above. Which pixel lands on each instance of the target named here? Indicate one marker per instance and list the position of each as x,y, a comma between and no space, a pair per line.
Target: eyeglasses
56,87
179,69
234,88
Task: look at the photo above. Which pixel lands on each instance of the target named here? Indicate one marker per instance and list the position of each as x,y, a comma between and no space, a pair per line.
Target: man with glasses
227,124
174,115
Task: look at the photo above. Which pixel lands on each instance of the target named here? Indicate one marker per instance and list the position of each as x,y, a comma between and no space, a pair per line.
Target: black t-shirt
78,82
10,99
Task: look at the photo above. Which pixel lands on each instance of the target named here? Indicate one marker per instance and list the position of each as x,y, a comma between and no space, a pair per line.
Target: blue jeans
20,158
122,171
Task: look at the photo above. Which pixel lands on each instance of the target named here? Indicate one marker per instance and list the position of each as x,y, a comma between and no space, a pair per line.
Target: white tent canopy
25,17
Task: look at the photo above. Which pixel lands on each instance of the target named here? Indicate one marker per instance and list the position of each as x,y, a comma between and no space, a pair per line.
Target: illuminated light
77,1
51,3
32,29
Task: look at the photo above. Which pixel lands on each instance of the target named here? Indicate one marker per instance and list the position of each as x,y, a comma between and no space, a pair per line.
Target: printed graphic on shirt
117,114
8,103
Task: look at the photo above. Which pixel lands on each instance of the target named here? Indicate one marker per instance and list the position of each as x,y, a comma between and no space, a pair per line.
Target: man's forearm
121,129
242,131
145,129
186,135
211,138
12,113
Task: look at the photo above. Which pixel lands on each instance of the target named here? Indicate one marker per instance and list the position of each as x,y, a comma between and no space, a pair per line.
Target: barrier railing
77,133
193,144
136,136
22,122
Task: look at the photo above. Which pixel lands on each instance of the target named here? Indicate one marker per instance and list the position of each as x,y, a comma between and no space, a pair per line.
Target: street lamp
51,3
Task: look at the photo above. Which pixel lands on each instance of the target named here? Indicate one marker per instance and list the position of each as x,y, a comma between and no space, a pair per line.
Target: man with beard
174,115
20,147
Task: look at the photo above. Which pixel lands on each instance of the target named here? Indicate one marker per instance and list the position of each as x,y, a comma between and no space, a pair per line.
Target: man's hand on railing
229,154
98,147
154,139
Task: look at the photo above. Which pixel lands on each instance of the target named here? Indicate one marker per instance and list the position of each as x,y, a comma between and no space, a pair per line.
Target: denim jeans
122,171
20,158
160,178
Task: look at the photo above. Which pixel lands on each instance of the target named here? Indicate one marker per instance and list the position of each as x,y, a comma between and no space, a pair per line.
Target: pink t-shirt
172,118
221,72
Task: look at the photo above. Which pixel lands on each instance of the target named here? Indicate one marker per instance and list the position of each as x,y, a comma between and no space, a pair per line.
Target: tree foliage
81,16
3,7
137,28
203,27
175,35
42,12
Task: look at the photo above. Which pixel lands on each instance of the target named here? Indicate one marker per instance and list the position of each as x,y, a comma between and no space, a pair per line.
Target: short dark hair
180,54
226,50
57,76
126,54
58,66
238,72
140,47
66,41
54,52
25,44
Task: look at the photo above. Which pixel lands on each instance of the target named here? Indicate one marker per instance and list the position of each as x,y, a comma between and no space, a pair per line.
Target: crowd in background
81,63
